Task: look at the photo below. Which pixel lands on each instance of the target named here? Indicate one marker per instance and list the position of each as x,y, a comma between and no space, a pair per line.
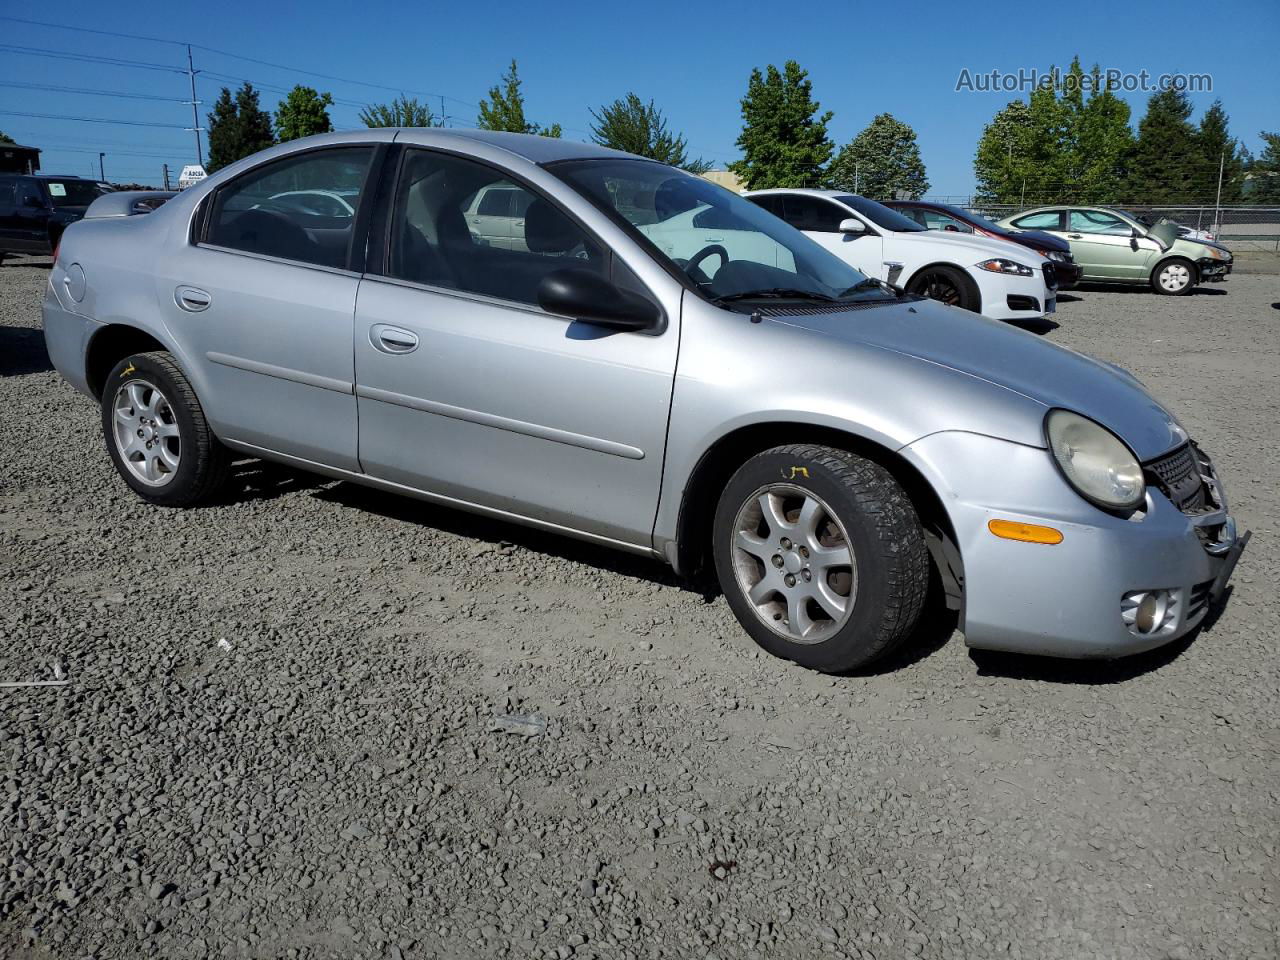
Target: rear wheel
821,556
157,434
1174,278
946,285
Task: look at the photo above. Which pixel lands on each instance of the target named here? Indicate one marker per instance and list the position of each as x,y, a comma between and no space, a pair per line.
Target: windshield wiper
868,284
775,293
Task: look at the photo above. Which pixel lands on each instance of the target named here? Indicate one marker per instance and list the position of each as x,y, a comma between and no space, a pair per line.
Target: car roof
531,146
812,191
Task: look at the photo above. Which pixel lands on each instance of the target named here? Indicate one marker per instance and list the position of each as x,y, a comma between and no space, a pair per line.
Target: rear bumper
1066,599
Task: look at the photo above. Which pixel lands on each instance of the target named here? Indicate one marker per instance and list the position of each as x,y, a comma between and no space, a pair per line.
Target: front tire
157,434
1174,278
821,556
946,285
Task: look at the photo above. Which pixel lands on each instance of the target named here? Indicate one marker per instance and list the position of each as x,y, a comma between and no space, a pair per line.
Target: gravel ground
278,735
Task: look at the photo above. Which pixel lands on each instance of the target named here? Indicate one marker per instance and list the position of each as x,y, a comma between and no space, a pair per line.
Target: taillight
56,248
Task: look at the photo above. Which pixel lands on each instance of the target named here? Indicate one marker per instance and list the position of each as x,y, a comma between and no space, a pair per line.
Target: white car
1000,280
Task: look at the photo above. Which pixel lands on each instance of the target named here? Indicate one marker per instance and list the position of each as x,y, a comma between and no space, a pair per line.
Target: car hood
1011,359
1166,234
966,244
1042,240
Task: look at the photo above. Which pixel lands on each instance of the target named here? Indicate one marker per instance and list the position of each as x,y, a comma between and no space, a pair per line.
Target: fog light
1147,612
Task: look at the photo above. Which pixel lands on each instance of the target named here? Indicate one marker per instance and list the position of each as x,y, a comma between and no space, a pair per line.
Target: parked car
35,209
1112,246
825,444
953,219
995,278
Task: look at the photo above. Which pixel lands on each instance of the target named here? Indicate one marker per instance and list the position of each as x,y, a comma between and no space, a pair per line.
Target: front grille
1177,475
1199,599
1050,275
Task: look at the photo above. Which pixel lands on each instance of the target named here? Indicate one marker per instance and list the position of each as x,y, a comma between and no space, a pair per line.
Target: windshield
725,245
975,218
881,215
1132,216
73,193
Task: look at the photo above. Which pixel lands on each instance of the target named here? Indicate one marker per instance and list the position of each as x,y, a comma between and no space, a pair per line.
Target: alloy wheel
937,286
794,564
146,432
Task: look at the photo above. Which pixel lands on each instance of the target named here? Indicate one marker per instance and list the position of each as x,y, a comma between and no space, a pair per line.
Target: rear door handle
192,299
391,339
1075,236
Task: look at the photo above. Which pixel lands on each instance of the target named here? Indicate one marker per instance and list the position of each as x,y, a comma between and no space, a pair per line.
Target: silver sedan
602,346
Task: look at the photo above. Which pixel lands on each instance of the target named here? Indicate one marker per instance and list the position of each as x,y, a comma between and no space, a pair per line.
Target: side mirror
1136,233
852,225
589,297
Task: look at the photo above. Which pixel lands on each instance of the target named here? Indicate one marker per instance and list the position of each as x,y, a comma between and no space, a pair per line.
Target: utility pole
166,176
855,177
1217,205
443,116
195,114
101,173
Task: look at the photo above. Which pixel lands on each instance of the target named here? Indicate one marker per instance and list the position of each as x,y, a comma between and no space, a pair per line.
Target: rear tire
946,285
1175,277
157,434
821,556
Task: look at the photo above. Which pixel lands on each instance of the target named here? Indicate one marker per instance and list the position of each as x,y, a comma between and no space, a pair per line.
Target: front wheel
821,556
157,434
946,285
1174,278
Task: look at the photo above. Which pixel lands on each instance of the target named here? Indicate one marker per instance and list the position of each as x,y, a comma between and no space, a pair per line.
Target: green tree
1101,144
632,125
1058,146
784,140
302,113
1263,182
504,109
1218,149
401,112
237,127
1167,157
881,162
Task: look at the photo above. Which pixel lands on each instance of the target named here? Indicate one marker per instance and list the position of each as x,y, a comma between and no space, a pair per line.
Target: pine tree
1000,164
784,140
1101,142
632,125
1263,183
882,162
238,127
303,113
504,109
400,112
1219,150
1167,159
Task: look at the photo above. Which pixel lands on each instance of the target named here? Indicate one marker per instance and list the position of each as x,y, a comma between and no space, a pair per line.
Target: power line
237,56
63,116
85,90
88,58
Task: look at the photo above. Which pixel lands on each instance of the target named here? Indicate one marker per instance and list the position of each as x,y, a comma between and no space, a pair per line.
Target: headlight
1057,255
1096,462
1215,253
1000,265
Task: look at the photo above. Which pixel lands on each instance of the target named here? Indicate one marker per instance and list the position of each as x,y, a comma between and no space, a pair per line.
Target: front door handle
1075,236
192,299
391,339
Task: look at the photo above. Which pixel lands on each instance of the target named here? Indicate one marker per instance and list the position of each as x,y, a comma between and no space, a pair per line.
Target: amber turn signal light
1026,532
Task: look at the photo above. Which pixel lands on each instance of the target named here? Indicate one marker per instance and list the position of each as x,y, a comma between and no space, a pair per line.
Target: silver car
840,455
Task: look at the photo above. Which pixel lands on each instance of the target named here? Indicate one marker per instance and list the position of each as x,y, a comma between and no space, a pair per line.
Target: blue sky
693,59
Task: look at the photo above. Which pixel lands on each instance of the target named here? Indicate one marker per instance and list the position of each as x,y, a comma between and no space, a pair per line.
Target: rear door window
812,213
301,208
1044,220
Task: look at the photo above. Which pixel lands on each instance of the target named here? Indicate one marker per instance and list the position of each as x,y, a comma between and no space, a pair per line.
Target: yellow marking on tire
797,472
127,370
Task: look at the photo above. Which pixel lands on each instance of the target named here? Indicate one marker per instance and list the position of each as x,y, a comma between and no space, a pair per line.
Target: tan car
1112,246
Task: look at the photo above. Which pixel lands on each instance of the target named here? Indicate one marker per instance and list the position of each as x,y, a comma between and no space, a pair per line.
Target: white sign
191,174
57,190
